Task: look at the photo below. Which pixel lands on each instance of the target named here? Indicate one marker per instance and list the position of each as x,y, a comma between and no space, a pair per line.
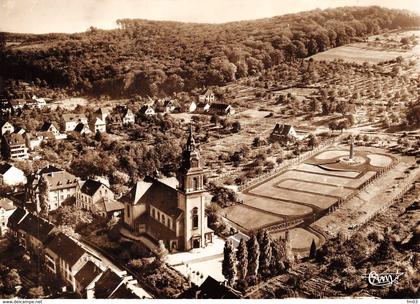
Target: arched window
195,183
195,218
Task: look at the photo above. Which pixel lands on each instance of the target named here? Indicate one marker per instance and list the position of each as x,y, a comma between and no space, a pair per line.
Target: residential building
49,128
221,109
210,289
15,218
97,125
11,176
102,113
17,104
62,186
89,192
65,257
13,147
108,207
127,115
114,119
71,121
169,106
203,107
86,278
6,127
82,129
147,110
39,102
283,133
192,107
20,130
208,96
6,210
173,214
33,231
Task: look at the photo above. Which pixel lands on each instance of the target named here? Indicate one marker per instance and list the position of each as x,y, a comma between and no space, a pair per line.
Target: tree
312,251
13,279
253,256
229,263
242,257
313,140
236,126
161,253
278,256
44,190
266,254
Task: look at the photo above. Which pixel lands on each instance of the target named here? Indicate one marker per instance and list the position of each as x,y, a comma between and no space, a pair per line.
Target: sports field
305,189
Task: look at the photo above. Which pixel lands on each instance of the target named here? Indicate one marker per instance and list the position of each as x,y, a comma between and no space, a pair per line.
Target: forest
158,58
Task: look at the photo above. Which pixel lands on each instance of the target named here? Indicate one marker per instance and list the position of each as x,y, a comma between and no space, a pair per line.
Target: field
305,189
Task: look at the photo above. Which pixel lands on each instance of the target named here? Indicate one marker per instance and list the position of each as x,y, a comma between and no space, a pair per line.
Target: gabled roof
102,111
87,274
4,168
73,117
123,292
36,227
283,129
164,198
219,106
109,205
81,127
90,187
7,204
114,118
208,92
66,248
46,126
136,193
57,178
16,217
97,121
14,139
5,122
212,289
107,284
145,108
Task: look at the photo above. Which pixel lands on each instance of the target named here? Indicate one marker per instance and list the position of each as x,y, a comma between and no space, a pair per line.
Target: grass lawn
337,172
249,218
317,188
275,206
299,238
379,160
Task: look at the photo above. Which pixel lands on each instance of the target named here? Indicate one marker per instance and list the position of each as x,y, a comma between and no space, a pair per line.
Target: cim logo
383,279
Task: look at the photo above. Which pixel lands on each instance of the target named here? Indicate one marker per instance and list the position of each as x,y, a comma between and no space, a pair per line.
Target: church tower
191,197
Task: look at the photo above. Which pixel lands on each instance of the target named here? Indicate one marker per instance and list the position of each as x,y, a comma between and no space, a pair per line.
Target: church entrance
196,243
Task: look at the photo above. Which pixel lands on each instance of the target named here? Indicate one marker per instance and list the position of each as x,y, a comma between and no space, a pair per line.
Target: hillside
158,58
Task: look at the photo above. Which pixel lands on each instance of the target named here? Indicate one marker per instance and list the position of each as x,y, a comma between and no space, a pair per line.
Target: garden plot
299,238
379,160
275,206
318,200
331,154
249,218
315,169
316,188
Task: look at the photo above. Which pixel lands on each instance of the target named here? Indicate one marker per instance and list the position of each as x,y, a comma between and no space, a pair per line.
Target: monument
351,159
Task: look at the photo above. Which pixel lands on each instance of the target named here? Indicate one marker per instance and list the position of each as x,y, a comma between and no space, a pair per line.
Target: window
195,183
163,219
153,212
128,211
195,218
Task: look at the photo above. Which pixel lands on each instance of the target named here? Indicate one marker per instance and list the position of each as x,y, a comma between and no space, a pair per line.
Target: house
13,146
33,141
33,231
101,113
39,102
97,125
86,278
169,106
210,289
82,129
89,192
48,129
20,130
284,134
15,218
114,119
203,107
6,127
11,176
62,186
17,104
174,214
208,96
147,110
70,121
192,107
65,257
108,207
127,116
221,109
6,210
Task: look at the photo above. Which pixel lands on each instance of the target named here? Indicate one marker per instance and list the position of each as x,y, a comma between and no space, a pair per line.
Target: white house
11,176
192,107
208,96
6,210
97,125
71,121
6,127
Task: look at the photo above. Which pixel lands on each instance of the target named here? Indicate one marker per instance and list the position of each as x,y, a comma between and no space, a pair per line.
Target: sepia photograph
217,149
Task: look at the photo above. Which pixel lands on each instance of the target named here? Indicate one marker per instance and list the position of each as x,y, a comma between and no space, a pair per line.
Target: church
172,209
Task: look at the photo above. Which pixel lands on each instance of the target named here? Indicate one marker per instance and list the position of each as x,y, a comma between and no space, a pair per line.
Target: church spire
190,141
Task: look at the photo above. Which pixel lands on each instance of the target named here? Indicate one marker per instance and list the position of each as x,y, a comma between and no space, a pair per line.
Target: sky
46,16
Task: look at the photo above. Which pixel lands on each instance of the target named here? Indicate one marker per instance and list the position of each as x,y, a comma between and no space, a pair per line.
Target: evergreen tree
278,256
229,263
266,253
253,256
312,251
242,257
44,190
